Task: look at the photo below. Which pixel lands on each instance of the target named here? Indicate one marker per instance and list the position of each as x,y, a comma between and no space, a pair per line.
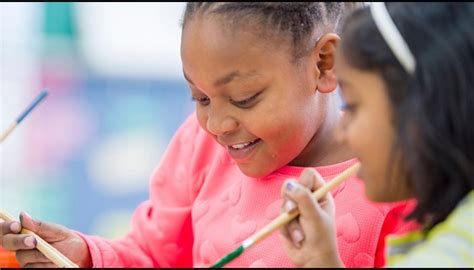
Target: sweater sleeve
161,229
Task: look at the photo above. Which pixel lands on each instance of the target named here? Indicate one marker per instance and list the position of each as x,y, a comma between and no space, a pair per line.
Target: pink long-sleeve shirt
202,206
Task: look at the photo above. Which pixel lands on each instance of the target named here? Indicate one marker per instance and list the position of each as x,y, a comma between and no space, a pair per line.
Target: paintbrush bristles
44,247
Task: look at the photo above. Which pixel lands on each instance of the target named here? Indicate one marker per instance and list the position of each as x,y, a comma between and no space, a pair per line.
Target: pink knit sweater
202,206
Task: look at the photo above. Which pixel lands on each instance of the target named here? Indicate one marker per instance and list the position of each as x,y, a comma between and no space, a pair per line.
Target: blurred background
84,156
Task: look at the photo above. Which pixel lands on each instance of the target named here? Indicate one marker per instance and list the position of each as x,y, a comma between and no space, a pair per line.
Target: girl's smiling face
250,95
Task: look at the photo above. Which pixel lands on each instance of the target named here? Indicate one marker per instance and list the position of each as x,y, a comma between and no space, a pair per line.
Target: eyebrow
227,78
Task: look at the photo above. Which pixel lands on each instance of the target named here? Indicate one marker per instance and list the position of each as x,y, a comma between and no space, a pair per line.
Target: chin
373,192
384,196
376,197
254,171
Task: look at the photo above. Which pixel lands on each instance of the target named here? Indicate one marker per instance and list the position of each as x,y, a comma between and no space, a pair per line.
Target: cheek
284,128
265,121
283,131
371,140
363,135
356,136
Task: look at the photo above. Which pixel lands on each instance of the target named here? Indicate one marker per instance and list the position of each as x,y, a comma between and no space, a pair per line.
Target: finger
295,232
30,256
283,190
286,207
284,232
286,237
47,231
14,242
311,179
303,199
286,241
8,227
40,265
293,228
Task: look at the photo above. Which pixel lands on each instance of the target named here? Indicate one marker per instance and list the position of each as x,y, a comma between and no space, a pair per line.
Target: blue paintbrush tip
38,99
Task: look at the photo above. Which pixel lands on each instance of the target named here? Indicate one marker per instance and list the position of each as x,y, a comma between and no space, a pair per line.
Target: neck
324,149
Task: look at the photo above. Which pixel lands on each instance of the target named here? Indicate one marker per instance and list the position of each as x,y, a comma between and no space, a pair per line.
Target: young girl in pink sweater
262,76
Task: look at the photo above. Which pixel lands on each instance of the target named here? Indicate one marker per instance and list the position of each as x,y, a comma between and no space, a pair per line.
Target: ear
324,53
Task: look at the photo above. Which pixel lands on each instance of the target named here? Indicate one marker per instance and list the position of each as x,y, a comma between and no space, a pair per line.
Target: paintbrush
22,116
284,218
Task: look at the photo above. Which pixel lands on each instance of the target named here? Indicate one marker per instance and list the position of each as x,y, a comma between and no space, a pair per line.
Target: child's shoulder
190,133
448,244
196,146
191,154
459,221
189,128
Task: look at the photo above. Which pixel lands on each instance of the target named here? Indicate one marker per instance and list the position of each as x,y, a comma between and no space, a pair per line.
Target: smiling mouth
241,146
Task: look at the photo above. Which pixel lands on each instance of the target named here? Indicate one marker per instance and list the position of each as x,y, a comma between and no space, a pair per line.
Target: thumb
313,180
47,231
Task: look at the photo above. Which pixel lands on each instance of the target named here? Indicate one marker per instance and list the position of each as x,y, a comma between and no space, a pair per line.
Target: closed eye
246,103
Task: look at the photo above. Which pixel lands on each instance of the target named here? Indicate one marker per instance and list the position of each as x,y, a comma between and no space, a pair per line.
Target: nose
219,123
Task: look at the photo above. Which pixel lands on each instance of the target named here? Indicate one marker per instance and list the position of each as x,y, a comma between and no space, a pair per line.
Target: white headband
392,36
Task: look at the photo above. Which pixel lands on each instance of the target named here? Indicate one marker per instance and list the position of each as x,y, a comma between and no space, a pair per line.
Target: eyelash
245,103
202,101
241,104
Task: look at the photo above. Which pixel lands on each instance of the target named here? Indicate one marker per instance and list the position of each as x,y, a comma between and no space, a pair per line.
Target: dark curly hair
433,109
293,20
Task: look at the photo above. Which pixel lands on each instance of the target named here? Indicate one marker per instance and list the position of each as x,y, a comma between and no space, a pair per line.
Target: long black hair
433,108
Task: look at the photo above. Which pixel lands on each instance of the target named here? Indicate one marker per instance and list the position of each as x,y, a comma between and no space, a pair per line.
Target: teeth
240,145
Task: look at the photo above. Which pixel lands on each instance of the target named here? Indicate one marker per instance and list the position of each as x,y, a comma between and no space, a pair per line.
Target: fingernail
27,215
290,186
289,205
23,215
15,227
30,241
307,173
297,236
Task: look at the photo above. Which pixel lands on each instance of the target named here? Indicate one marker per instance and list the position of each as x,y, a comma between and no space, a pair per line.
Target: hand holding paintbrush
46,249
285,217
